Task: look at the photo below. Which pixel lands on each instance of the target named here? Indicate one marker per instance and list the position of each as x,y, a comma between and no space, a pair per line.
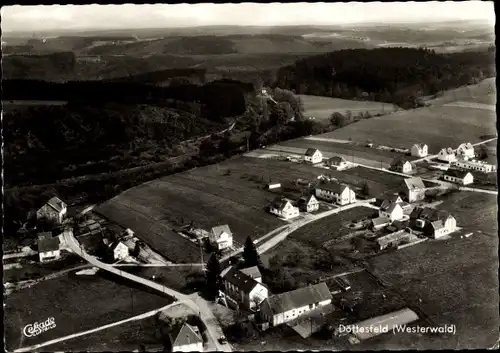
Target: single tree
213,277
250,254
337,119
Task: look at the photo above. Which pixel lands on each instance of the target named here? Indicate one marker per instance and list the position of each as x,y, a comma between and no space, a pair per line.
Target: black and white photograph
201,177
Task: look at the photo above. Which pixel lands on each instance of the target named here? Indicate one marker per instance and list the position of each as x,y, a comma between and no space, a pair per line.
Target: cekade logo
37,328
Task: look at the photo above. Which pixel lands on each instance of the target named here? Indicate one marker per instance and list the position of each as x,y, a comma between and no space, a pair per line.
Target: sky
39,18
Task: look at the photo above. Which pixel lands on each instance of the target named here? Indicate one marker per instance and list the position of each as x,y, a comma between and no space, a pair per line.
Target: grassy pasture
323,107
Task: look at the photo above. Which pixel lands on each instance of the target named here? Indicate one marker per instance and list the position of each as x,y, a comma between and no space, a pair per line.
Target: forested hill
394,75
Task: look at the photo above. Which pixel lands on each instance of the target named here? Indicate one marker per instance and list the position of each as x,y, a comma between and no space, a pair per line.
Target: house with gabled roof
392,210
434,223
337,162
335,192
462,177
379,223
308,203
221,237
54,210
414,188
187,338
313,156
447,155
48,248
285,307
401,165
242,288
283,207
120,250
419,150
465,151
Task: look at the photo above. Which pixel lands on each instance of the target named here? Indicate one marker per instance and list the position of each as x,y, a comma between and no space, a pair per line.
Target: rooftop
457,173
332,186
283,302
56,203
310,152
187,335
414,183
252,272
218,230
48,244
239,279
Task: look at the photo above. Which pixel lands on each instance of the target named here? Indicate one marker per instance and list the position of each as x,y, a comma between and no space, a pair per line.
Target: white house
242,288
285,307
478,166
48,249
120,250
187,339
393,211
335,192
338,163
54,210
434,223
447,155
466,151
458,176
313,156
221,237
283,208
401,165
419,150
414,189
308,203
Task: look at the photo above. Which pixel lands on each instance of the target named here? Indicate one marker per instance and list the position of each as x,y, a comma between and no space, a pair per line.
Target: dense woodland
393,75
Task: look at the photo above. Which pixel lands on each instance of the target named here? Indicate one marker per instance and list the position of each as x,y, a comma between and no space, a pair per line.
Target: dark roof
429,214
332,186
437,224
398,162
252,272
380,221
456,173
396,225
239,279
306,199
187,335
420,145
48,244
336,160
56,203
311,151
283,302
414,183
279,202
44,235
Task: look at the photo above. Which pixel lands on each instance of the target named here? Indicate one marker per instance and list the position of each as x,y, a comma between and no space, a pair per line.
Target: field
404,128
322,107
77,304
456,279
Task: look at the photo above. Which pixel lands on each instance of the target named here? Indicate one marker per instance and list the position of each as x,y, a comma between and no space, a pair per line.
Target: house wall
406,168
195,347
415,195
293,314
259,293
120,252
417,152
47,212
49,255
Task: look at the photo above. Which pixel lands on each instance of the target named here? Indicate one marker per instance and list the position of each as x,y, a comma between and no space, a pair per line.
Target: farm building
186,339
221,237
447,155
383,324
253,272
241,288
54,210
120,250
379,223
283,208
414,189
465,151
336,162
419,150
285,307
48,249
393,239
308,203
272,186
401,165
396,226
458,176
422,219
335,192
393,211
313,156
479,166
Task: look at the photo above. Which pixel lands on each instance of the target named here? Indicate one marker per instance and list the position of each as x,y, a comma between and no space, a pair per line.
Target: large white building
447,155
187,339
478,166
466,151
244,287
335,192
283,208
458,176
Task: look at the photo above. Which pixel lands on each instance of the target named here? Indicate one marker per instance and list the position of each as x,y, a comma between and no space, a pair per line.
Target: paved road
212,326
100,328
159,265
492,192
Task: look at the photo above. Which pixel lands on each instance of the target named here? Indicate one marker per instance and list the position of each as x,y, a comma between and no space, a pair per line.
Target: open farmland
323,107
77,304
483,92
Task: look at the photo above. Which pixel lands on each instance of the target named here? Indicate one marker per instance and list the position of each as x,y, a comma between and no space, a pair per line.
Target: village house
414,189
285,307
386,203
253,272
221,237
308,203
242,289
186,339
478,166
283,208
313,156
54,210
419,150
379,223
48,248
447,155
462,177
338,163
335,192
465,151
120,250
401,165
392,210
434,223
